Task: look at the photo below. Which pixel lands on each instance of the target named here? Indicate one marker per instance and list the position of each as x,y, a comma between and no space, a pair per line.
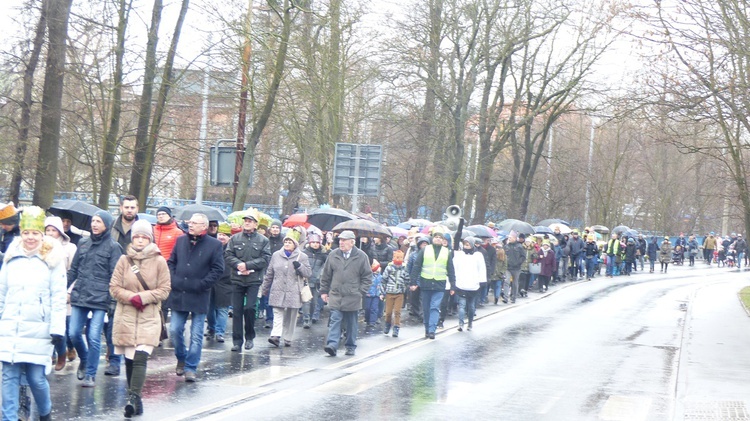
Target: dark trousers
415,302
243,311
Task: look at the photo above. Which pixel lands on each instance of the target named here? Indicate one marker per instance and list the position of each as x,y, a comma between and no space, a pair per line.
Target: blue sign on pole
223,159
356,169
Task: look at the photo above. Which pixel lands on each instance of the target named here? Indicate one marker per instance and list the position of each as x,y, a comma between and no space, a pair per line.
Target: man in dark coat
248,253
91,270
344,282
221,293
516,256
381,251
196,263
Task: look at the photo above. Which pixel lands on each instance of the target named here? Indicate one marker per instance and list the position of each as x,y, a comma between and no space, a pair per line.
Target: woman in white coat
470,272
32,312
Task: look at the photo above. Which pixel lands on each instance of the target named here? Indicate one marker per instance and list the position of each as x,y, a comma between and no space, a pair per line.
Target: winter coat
395,279
641,245
532,256
653,247
471,270
68,248
252,249
665,252
346,281
382,253
6,238
740,246
317,259
165,237
377,280
591,250
32,303
549,264
490,260
575,247
282,283
221,292
194,269
132,327
91,270
119,235
630,252
275,243
501,267
709,243
516,255
693,245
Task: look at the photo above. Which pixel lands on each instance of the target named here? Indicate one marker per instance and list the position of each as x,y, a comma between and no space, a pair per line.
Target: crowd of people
60,292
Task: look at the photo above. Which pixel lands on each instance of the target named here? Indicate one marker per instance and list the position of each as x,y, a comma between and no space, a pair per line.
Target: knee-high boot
137,379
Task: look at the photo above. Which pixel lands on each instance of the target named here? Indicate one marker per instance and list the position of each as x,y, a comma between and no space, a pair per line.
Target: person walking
501,270
432,270
740,247
32,320
248,253
91,271
140,282
221,293
591,254
282,284
395,280
196,263
344,282
316,255
709,246
665,254
516,255
692,249
547,259
53,228
471,271
612,250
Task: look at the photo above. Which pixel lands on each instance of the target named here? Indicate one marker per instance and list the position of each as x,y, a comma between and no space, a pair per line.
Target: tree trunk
28,85
137,173
244,89
167,81
112,141
260,125
57,14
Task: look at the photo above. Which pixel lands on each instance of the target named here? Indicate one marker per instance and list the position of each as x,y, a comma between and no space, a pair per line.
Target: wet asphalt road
645,347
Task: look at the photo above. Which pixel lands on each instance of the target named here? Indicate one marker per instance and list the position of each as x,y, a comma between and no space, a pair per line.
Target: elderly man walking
346,278
196,263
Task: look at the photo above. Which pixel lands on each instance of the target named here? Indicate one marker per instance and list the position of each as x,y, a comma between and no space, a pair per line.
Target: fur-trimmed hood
50,253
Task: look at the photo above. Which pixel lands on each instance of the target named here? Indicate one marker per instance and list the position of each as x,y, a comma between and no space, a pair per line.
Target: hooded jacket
471,270
32,303
91,270
133,327
317,259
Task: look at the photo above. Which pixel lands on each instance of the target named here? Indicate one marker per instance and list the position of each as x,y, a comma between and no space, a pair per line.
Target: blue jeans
217,319
466,305
37,384
371,309
88,351
62,347
740,256
113,358
610,264
349,320
192,355
590,264
431,308
497,287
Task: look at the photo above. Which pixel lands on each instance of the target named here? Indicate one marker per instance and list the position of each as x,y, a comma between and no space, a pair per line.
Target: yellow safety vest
433,268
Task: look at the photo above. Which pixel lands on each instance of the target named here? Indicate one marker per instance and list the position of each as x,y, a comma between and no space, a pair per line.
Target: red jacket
165,236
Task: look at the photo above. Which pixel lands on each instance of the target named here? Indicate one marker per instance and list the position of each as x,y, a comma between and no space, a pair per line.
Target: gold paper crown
32,218
225,228
294,235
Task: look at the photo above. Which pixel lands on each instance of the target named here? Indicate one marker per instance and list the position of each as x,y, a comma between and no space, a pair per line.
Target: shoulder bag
305,294
136,270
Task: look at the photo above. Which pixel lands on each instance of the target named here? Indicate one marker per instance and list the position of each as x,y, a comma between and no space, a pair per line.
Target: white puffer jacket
32,303
470,270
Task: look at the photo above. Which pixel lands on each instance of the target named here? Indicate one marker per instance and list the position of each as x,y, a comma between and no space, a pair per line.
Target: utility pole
202,140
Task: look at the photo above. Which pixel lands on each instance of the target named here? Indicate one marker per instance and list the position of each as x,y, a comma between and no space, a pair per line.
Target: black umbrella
80,212
516,225
327,218
620,229
550,221
363,228
481,231
185,212
541,229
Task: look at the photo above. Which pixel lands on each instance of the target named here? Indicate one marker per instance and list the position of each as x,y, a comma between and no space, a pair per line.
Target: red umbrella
296,220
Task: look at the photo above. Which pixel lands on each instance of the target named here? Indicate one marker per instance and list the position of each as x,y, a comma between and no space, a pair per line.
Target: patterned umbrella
363,228
327,218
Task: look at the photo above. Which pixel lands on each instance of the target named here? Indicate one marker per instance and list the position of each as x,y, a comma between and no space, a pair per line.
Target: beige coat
132,327
281,283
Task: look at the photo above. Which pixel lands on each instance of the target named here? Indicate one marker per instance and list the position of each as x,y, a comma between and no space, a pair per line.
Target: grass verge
745,298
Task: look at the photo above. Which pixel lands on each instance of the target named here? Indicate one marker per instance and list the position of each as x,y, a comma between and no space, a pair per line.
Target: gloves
137,303
296,264
56,339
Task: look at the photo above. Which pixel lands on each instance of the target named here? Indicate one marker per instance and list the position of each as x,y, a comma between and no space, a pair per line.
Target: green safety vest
613,248
435,268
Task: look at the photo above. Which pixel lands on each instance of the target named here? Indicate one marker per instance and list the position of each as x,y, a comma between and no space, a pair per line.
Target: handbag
305,294
164,334
535,268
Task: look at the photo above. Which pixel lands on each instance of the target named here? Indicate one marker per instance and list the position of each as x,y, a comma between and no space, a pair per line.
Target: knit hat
56,222
275,222
32,219
165,210
106,217
8,214
225,228
294,236
423,239
142,227
545,243
314,238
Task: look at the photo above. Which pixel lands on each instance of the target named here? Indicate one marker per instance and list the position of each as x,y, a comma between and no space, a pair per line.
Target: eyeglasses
196,223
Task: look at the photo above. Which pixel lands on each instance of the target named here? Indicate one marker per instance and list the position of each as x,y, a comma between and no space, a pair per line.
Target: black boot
395,331
47,417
